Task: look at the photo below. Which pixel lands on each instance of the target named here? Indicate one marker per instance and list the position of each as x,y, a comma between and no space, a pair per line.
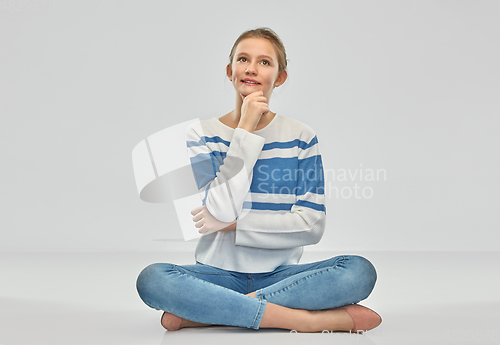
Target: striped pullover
271,181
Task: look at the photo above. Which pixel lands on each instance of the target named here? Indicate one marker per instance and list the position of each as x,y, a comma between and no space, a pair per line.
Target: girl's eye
242,59
265,62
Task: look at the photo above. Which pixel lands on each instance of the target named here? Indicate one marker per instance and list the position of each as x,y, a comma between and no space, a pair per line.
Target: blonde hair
269,35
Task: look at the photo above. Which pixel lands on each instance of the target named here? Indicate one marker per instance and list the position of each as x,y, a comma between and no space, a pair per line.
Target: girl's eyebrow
265,56
258,57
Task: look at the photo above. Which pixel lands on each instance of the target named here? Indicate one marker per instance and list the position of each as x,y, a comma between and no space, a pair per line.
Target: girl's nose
251,69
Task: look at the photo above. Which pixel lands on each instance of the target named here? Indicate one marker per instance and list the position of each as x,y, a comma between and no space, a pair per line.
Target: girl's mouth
250,82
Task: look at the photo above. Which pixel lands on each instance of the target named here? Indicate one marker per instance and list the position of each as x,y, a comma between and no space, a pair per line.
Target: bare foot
172,322
331,320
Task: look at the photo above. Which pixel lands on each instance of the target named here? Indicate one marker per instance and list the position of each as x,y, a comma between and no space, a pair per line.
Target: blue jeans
211,295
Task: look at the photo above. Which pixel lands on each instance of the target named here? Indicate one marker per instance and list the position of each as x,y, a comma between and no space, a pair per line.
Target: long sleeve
224,177
276,224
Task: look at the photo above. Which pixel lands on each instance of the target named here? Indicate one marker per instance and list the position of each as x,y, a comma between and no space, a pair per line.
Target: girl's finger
198,217
199,224
261,99
196,210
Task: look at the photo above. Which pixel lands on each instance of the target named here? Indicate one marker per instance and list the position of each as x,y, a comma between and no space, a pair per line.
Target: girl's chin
245,91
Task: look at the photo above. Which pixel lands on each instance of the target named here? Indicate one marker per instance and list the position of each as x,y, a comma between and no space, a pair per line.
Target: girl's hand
206,223
254,106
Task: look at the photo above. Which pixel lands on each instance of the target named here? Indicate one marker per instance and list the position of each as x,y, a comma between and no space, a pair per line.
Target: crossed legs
308,301
276,316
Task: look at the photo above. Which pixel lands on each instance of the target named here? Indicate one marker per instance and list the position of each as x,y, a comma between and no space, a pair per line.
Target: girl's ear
229,71
281,78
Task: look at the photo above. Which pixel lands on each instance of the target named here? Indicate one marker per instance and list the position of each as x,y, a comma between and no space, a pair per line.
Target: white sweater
271,181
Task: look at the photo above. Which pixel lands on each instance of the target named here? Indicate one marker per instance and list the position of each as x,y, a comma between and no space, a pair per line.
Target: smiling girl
255,224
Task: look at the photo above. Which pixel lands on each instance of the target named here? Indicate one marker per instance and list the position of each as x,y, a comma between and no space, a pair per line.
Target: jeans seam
258,312
307,269
190,270
327,268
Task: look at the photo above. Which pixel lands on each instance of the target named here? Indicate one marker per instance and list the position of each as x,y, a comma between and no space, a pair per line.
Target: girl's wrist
231,227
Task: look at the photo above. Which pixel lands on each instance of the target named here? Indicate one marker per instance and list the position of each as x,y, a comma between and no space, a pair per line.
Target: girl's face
255,67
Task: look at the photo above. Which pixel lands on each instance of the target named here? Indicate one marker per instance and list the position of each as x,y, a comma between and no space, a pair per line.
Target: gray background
410,87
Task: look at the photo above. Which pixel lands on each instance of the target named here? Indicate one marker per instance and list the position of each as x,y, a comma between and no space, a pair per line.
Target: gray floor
90,298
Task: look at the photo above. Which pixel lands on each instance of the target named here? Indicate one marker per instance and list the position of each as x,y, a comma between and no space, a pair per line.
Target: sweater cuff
246,145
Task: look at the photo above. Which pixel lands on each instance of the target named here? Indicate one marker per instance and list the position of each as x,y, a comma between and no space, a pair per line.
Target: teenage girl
247,270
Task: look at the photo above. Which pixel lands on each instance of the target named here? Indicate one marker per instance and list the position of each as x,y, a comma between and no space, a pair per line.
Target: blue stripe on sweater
204,140
288,176
268,206
313,205
269,146
271,175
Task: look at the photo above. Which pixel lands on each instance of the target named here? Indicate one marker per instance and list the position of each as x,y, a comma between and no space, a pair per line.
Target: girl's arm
265,226
224,190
